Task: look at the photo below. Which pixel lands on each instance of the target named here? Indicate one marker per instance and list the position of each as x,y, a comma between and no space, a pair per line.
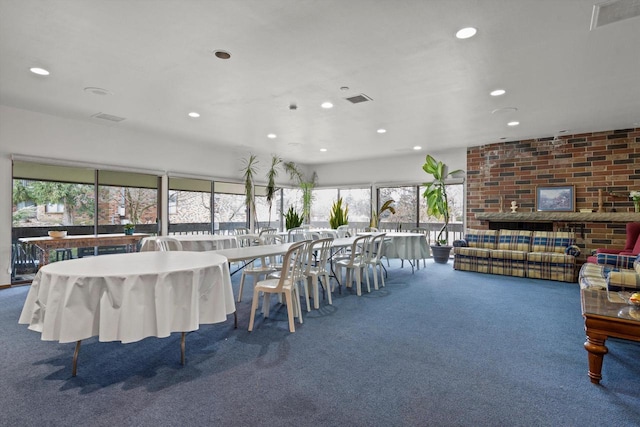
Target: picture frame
556,198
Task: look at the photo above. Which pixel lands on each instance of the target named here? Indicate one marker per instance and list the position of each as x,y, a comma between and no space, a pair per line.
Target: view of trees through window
74,203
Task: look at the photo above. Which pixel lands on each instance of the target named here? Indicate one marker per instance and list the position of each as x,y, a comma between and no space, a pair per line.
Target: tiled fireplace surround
608,160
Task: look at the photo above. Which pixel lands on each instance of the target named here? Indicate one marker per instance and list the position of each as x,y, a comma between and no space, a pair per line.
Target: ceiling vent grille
359,98
109,117
613,11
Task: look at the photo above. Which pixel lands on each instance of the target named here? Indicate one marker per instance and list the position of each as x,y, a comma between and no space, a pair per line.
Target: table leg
182,348
74,367
596,348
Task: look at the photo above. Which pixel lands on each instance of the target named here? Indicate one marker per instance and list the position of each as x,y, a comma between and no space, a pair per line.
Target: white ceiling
428,88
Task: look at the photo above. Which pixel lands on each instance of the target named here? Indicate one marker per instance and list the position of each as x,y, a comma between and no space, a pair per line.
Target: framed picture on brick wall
556,199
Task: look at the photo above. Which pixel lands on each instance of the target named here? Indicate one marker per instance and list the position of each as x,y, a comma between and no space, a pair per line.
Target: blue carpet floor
436,348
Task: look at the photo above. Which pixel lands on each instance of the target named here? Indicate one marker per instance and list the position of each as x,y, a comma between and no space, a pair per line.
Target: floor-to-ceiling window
406,199
359,202
230,209
189,205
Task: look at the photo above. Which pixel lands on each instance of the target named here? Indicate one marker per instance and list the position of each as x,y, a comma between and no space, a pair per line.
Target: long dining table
128,297
195,242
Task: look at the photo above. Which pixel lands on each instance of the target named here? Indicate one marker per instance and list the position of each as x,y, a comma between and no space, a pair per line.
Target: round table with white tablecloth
128,297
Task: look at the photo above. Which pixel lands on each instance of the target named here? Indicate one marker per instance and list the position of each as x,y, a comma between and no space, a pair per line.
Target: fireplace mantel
558,216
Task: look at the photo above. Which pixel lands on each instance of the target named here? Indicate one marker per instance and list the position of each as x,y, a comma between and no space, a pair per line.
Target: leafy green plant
338,215
249,171
292,219
129,226
306,186
436,194
272,174
375,216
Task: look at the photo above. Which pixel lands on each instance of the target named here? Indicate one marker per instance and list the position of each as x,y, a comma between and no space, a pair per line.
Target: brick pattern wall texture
608,160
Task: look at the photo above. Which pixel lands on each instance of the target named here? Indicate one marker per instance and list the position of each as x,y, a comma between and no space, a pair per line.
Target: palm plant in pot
438,205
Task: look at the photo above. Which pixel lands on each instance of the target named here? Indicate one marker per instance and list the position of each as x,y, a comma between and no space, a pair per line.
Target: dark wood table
606,315
46,243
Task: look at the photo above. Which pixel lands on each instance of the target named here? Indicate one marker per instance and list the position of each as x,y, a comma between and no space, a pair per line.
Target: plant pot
129,231
441,253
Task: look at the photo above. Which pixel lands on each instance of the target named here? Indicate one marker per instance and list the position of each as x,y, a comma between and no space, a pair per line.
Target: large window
127,198
189,205
359,202
406,215
322,200
49,196
230,210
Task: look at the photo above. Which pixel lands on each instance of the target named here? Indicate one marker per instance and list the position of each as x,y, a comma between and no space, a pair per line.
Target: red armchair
632,246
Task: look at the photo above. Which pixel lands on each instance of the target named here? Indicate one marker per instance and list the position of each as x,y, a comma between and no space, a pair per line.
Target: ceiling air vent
109,117
613,11
359,98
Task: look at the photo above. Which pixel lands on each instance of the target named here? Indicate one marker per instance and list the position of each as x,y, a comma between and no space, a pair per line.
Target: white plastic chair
343,231
374,259
285,284
267,265
319,253
165,243
356,262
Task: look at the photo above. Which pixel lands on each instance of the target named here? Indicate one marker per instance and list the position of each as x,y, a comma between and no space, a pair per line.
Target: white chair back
164,243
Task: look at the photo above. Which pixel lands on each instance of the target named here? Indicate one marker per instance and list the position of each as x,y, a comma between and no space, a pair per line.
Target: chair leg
374,270
254,307
306,293
290,308
241,287
316,293
358,281
381,275
327,286
365,270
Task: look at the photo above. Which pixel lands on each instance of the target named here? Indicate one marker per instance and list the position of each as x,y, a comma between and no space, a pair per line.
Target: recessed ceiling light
417,147
497,92
39,71
344,88
381,130
222,54
97,91
324,150
514,123
326,105
563,131
466,33
271,136
194,115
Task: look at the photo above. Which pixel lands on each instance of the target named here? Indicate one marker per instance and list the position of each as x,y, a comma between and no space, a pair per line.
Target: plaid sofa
521,253
611,272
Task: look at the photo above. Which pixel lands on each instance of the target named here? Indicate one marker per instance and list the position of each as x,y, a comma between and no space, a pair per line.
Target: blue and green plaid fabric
549,241
618,261
515,240
486,239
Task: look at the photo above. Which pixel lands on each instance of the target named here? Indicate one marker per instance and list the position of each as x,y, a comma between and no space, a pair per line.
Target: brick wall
607,160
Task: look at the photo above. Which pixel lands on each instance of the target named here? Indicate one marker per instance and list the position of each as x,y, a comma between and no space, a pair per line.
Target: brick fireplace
608,161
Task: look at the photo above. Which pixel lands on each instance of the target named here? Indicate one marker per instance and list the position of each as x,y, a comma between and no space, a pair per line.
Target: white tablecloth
407,246
128,297
195,242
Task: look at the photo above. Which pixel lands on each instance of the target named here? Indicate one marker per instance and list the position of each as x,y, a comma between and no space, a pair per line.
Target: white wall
27,133
401,169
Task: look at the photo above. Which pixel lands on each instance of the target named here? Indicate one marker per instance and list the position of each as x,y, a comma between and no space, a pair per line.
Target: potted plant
438,205
292,219
338,215
306,186
129,229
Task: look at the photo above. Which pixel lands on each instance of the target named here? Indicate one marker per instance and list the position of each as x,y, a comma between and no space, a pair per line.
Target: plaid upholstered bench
521,253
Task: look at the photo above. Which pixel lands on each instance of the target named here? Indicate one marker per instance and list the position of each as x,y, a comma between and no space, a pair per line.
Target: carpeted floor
438,347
